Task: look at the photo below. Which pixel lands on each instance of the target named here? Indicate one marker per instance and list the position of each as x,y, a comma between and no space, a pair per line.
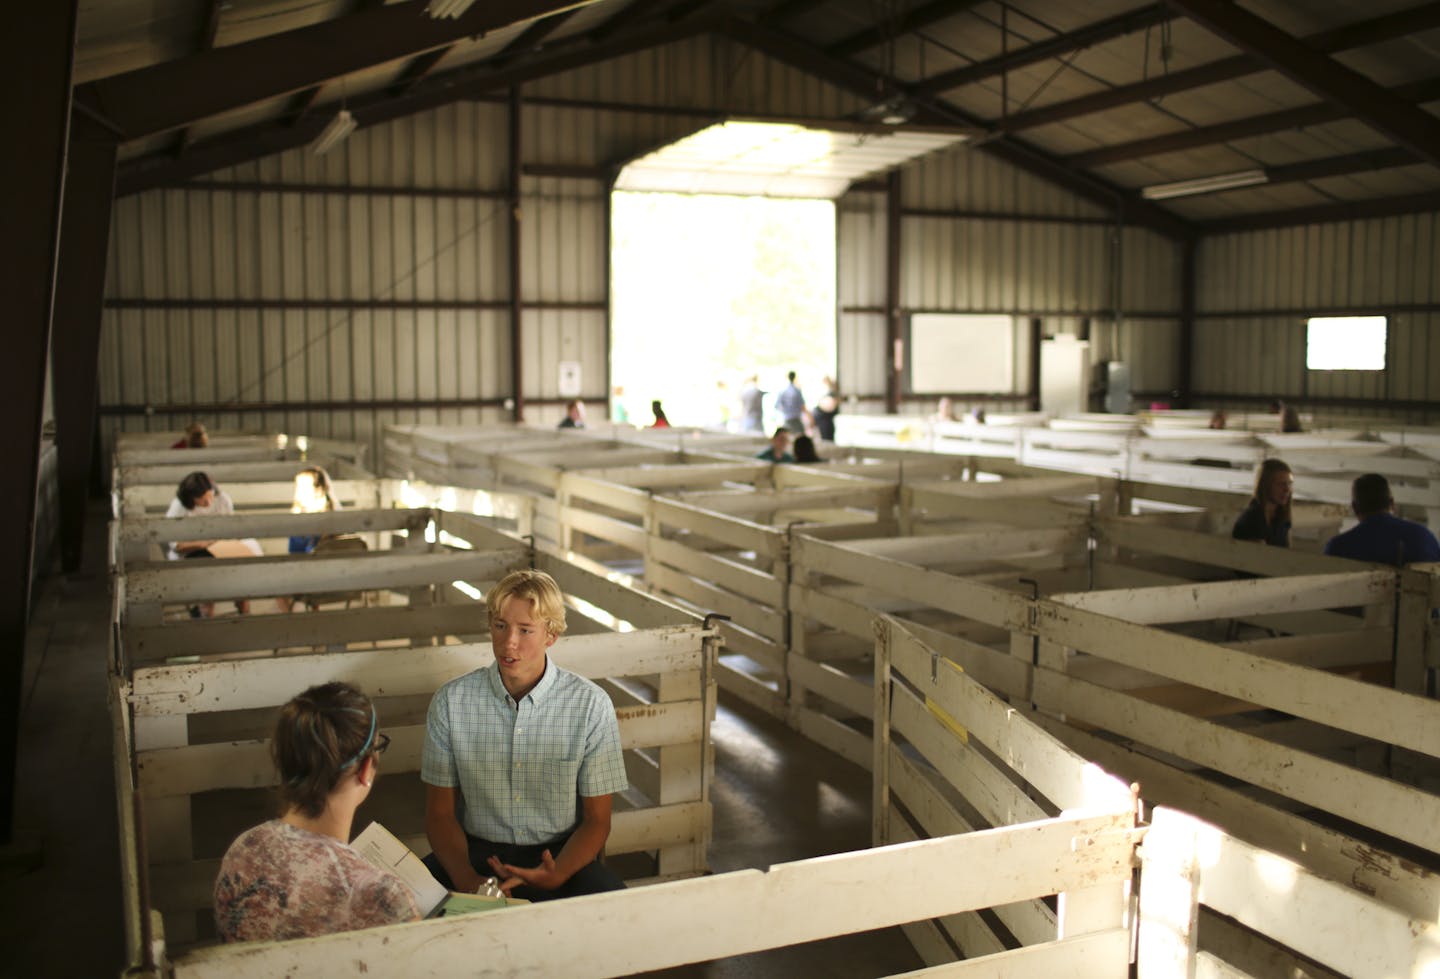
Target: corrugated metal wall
979,236
333,295
329,281
1256,290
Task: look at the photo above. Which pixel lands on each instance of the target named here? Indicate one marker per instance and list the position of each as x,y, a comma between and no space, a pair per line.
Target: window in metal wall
1345,343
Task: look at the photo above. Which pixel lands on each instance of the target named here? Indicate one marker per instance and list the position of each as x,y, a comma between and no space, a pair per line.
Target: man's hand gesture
545,877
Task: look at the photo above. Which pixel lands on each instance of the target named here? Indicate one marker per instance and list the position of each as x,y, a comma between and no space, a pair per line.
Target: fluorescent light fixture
335,130
448,8
768,159
1205,185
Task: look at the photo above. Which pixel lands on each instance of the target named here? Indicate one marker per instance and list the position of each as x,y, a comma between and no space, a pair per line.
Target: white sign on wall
569,379
961,352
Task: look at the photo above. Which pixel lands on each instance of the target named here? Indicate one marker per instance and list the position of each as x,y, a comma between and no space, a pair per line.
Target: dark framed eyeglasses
382,741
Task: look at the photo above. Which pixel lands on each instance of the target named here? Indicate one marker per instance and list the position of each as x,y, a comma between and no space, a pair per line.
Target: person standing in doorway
752,406
825,411
790,404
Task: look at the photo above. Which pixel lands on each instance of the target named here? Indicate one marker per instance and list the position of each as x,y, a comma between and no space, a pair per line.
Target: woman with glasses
296,876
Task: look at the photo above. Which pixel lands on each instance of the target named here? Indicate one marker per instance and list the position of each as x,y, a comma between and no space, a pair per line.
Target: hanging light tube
1204,185
440,9
334,132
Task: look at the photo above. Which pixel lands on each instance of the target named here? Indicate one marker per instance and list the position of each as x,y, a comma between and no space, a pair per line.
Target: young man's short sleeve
602,770
437,759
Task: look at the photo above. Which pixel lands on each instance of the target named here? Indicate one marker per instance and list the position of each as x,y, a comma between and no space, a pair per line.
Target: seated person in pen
1381,536
296,876
520,760
779,449
1267,518
312,495
198,496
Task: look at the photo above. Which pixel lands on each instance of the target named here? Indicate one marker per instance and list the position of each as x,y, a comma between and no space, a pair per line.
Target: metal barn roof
1332,100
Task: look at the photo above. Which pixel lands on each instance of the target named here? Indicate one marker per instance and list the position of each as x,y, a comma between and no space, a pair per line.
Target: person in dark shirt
805,449
825,411
1380,536
779,450
1267,518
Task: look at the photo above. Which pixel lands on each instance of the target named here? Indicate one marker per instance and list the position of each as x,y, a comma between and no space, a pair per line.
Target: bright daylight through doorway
709,290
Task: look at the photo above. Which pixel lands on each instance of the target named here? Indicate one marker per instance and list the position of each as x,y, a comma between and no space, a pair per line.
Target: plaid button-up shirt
522,768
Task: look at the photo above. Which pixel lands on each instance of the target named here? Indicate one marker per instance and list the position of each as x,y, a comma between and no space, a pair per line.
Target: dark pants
593,878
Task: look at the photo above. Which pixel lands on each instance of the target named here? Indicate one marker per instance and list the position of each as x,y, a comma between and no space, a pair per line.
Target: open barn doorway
708,291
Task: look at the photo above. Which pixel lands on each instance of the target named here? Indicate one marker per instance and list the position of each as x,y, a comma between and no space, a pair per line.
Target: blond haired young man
520,760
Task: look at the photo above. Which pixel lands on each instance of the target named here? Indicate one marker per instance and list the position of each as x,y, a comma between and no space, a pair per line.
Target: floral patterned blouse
278,881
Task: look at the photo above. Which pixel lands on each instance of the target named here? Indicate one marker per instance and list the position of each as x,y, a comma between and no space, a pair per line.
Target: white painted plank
602,588
190,769
609,493
998,800
829,733
1031,922
1064,777
1100,955
201,581
203,637
993,606
1385,715
713,917
825,681
606,528
1214,549
734,575
1197,602
740,534
199,688
757,618
1390,878
1390,807
240,525
1347,931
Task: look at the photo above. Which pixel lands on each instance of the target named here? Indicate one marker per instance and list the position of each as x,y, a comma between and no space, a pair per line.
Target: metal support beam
1405,123
176,93
1300,117
251,143
916,20
786,9
75,336
1054,47
1351,36
1377,207
1339,166
893,332
632,16
1185,367
39,58
420,66
863,82
209,26
517,308
1037,337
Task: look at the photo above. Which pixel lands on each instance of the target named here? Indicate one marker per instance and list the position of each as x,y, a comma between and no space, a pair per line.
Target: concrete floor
777,797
